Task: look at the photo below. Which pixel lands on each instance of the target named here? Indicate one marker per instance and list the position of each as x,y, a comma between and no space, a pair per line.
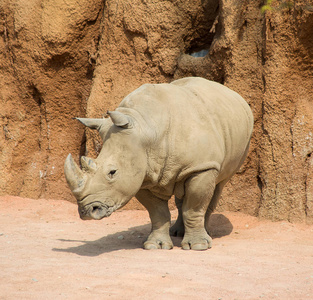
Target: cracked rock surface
78,59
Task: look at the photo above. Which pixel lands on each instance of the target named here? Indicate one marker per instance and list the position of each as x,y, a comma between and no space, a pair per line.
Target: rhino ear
91,123
119,119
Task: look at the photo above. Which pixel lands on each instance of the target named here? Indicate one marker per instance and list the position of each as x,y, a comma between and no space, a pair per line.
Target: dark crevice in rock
83,149
203,33
59,61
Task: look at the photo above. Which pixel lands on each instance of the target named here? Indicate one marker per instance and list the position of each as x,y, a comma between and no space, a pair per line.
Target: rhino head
108,182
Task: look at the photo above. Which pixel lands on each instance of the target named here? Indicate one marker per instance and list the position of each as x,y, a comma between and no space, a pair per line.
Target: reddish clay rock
52,52
45,81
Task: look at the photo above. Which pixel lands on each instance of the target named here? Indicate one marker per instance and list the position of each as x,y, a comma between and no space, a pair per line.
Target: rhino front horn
75,177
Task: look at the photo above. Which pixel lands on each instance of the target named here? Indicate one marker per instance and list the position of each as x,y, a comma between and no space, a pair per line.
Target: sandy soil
47,252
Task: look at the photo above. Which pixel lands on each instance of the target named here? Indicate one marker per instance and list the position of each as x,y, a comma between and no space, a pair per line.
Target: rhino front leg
160,216
199,190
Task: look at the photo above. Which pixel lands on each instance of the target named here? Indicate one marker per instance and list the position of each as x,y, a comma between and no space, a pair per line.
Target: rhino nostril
95,208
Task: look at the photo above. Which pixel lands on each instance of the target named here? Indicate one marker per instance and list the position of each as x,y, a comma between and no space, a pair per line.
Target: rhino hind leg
219,188
178,229
160,216
213,203
199,191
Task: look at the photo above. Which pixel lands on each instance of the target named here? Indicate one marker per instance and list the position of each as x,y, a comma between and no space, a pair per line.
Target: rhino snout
94,211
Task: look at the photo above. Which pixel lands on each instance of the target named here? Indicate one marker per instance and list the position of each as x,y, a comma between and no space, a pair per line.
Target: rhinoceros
186,138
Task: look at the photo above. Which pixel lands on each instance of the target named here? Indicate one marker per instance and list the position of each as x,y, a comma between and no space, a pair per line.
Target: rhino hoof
197,244
149,245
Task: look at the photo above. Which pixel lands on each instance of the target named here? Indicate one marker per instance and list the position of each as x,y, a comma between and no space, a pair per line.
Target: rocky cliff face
61,59
45,79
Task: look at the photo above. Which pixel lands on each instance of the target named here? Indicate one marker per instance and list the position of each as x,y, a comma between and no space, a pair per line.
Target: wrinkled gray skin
185,139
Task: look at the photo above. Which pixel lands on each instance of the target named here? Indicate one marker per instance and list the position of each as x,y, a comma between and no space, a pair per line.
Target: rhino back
197,125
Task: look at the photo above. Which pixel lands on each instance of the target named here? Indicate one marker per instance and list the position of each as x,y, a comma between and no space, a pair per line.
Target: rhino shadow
134,237
219,226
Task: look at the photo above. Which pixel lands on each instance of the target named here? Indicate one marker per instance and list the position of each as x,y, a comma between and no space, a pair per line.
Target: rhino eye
111,173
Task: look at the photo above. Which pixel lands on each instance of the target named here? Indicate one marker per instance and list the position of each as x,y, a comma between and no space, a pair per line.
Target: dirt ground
47,252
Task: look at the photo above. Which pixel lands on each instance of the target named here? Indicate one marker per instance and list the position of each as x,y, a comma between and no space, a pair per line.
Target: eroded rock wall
105,49
286,141
45,80
142,41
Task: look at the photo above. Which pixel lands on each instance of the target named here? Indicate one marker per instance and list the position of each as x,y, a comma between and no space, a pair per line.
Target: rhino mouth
95,211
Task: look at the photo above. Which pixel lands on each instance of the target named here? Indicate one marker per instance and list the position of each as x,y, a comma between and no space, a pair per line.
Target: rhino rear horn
88,164
75,177
119,119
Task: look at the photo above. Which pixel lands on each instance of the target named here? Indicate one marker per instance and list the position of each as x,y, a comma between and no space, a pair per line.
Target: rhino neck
155,136
160,176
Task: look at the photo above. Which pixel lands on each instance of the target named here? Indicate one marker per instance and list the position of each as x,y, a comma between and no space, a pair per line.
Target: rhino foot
197,242
158,243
